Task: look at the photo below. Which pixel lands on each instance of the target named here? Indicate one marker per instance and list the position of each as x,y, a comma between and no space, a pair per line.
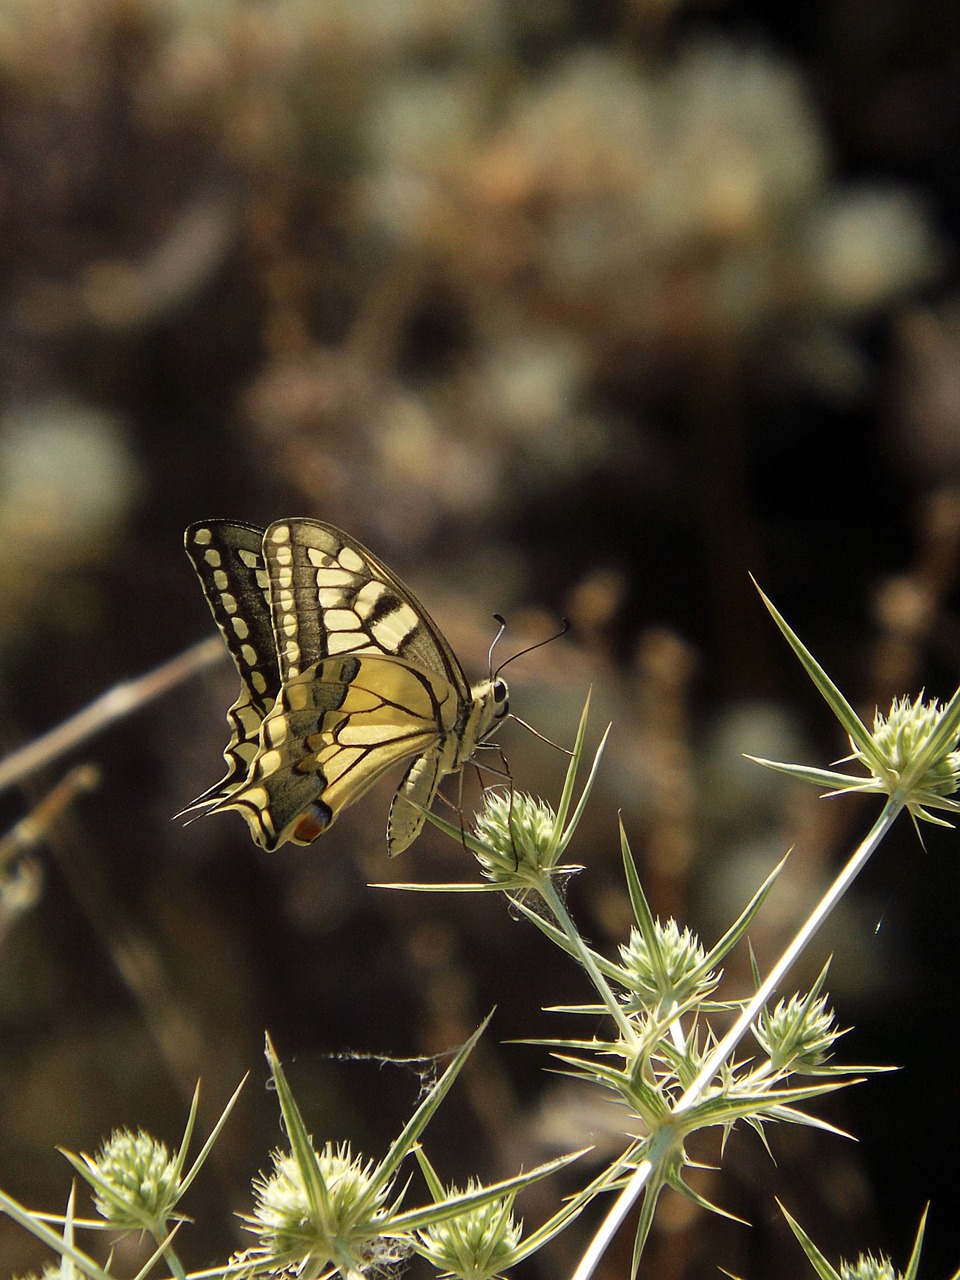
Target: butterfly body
344,675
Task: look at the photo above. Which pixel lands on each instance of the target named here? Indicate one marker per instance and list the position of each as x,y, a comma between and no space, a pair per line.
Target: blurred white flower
67,481
863,247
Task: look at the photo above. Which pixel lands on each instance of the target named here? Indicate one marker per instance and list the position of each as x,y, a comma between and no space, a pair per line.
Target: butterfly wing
334,730
331,596
228,558
417,788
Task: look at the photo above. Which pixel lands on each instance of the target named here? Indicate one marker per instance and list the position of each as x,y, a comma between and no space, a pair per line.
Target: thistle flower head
799,1033
910,754
519,837
867,1267
670,965
55,1271
479,1244
137,1180
900,740
342,1224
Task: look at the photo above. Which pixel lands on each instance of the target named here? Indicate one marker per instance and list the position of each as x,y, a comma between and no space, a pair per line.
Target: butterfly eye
500,695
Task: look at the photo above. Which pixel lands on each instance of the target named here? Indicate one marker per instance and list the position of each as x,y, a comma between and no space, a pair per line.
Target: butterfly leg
507,777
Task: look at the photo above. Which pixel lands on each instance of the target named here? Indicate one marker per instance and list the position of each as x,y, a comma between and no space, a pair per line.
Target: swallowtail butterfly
343,675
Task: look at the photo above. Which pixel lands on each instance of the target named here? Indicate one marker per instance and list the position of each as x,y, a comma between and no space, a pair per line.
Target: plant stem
113,705
174,1263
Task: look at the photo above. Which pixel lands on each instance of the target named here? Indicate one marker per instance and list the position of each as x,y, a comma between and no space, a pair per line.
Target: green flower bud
799,1033
867,1267
668,967
343,1221
477,1245
519,836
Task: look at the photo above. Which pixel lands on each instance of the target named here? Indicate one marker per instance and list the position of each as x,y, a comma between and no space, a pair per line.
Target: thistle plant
137,1185
661,1059
316,1213
325,1213
660,1039
911,755
665,1060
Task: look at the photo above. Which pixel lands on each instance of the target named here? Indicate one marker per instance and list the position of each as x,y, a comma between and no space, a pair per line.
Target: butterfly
343,675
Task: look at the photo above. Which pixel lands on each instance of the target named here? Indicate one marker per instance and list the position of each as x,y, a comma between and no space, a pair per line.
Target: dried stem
113,705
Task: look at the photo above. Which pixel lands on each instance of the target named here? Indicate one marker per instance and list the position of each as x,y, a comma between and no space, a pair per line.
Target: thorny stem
824,907
176,1266
854,866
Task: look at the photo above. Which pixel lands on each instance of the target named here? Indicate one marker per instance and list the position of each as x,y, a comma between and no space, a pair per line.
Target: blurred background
580,308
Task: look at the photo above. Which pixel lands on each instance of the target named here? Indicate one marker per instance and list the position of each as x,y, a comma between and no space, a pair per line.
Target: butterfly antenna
564,628
498,617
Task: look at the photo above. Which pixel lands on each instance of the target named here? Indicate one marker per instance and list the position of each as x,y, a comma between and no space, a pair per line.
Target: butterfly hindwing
332,734
344,675
228,558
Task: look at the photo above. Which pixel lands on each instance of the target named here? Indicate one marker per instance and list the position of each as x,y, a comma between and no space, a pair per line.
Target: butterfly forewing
359,680
332,596
228,558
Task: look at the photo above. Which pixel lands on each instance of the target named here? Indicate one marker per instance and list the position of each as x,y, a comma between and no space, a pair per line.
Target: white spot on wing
341,620
248,719
298,695
368,597
395,627
350,560
344,642
335,578
269,762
